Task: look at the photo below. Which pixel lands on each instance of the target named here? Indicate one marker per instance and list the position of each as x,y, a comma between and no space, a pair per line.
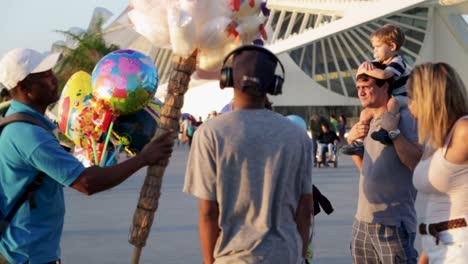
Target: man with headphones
251,170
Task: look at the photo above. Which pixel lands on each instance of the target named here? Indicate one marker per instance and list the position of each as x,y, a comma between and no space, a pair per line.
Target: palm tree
90,48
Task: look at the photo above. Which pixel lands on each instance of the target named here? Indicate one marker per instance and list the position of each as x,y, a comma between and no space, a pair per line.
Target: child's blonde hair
390,34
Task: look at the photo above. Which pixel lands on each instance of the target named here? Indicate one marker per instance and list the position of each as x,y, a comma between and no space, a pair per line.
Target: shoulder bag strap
33,186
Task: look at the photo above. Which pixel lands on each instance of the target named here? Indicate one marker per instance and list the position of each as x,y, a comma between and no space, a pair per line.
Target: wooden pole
182,69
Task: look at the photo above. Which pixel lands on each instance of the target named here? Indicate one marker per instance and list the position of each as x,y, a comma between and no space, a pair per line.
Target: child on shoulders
386,41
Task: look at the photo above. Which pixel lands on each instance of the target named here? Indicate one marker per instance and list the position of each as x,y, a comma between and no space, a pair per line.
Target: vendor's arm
208,214
96,179
409,152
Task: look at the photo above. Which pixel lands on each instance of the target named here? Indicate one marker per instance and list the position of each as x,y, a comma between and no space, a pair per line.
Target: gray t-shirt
255,164
386,191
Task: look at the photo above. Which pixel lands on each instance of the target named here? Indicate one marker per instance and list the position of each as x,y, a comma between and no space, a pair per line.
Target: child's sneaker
382,137
355,148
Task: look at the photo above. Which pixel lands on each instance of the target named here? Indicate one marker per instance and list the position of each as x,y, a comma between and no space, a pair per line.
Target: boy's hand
367,65
359,130
360,71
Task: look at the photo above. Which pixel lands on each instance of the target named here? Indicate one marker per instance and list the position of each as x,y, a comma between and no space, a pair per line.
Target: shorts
452,247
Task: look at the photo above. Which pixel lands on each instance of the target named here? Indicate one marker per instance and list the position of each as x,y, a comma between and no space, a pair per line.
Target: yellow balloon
74,106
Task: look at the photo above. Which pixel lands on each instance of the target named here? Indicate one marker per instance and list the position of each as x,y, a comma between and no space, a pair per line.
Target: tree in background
82,51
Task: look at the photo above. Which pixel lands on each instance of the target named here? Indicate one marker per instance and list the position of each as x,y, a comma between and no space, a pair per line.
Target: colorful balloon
74,107
126,80
138,128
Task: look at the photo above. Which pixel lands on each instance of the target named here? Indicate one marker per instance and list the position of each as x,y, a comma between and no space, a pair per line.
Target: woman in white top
438,99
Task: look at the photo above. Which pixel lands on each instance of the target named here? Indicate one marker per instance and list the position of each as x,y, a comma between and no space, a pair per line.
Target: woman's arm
457,151
423,258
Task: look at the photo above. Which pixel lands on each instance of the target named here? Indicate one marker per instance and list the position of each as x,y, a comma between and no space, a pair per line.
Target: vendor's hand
390,121
159,151
359,130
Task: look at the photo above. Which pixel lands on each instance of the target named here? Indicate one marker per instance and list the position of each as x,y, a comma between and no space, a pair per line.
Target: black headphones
226,78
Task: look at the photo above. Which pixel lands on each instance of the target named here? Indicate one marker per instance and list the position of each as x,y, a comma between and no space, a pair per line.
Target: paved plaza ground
97,227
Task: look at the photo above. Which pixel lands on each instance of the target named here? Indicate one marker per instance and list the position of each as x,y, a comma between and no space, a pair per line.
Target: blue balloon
298,121
226,108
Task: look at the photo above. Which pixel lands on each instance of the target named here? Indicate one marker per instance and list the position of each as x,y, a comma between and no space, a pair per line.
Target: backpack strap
28,193
21,117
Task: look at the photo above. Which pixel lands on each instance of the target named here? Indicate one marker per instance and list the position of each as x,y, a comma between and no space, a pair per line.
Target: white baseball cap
18,63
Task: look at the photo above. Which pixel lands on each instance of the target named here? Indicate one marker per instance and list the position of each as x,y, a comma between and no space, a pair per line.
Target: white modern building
322,42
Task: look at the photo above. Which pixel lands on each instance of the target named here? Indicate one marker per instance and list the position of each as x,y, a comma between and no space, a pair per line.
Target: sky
32,23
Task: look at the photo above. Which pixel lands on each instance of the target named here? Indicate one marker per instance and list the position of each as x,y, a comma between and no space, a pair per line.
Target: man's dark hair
379,82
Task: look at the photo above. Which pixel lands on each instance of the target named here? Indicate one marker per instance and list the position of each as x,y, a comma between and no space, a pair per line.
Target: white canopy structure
322,42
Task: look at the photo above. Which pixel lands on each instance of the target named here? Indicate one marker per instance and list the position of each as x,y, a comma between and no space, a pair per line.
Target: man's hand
390,121
359,130
159,150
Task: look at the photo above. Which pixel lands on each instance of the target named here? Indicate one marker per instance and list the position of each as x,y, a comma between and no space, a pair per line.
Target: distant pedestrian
342,123
333,123
199,122
190,131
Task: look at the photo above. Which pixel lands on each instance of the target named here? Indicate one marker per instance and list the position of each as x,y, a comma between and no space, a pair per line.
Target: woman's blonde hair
440,99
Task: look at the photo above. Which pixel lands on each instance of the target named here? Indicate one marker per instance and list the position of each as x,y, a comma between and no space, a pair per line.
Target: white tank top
444,183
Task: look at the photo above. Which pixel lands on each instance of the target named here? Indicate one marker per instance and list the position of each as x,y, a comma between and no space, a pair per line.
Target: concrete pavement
96,228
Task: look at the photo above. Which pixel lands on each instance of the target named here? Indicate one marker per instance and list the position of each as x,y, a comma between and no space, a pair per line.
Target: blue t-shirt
34,233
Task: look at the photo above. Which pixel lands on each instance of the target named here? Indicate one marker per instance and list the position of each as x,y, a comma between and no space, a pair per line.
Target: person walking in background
342,128
190,131
212,114
183,123
387,41
438,100
251,170
199,122
30,153
385,226
333,123
315,124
